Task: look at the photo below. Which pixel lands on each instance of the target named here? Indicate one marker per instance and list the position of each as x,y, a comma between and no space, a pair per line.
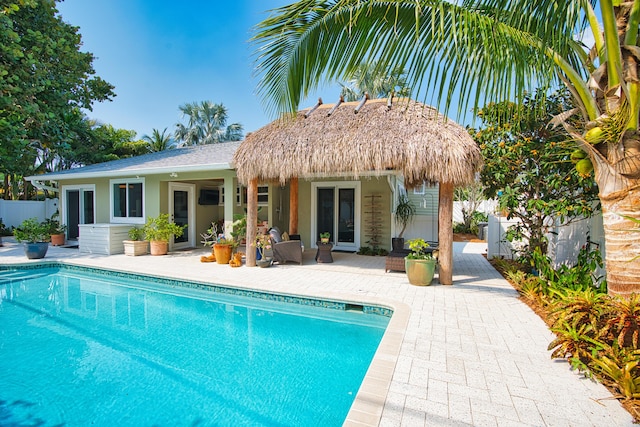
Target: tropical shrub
597,333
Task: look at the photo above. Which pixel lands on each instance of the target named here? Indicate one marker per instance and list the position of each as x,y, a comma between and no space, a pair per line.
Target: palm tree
377,82
207,124
159,141
485,50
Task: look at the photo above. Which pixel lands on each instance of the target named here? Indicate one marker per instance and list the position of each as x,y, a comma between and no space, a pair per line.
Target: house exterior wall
156,200
425,222
368,186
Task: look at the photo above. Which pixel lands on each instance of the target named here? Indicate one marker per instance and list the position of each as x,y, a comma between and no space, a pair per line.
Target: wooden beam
445,233
252,222
293,206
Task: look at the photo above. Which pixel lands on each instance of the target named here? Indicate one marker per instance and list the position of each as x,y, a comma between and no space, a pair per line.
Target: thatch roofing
409,137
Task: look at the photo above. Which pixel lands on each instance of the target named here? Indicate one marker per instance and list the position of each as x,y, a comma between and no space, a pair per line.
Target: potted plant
136,245
405,211
263,242
420,264
158,231
56,230
324,237
34,236
3,230
222,247
239,231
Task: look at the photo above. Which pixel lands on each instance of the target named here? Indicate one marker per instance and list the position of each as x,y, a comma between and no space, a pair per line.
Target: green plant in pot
405,211
55,229
420,264
159,230
34,236
135,245
324,237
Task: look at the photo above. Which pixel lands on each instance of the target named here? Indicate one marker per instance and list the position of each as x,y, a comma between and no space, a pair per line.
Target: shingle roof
188,159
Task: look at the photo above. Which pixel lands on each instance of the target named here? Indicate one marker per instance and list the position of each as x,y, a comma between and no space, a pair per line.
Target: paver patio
467,354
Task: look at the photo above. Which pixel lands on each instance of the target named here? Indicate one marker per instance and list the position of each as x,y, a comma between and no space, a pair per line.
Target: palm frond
477,49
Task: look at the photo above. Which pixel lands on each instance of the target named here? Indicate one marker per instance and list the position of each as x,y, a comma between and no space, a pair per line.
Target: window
420,189
263,195
221,192
127,200
241,195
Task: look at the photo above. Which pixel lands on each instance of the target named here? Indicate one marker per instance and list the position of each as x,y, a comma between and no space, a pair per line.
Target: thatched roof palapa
409,137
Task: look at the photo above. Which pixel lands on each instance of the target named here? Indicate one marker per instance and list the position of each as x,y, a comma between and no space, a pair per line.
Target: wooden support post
445,233
293,206
252,222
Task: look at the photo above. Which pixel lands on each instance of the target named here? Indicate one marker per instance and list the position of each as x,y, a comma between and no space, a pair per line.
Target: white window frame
221,195
263,190
126,220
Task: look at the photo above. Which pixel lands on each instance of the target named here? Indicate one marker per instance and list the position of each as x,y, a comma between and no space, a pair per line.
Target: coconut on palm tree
482,51
207,124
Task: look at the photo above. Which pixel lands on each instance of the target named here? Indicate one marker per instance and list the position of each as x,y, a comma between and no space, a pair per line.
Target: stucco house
332,168
192,183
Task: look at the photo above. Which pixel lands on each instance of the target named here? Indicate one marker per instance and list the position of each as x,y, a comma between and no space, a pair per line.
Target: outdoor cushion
283,251
276,237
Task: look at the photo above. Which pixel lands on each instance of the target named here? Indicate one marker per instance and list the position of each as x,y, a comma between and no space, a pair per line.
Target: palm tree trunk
622,240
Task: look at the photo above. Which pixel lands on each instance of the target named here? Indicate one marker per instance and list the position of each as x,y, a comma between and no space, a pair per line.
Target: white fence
13,212
487,206
565,241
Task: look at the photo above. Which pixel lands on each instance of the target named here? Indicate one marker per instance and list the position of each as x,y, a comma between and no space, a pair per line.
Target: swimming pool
80,349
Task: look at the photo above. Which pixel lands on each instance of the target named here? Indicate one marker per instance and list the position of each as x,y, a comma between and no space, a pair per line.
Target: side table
324,252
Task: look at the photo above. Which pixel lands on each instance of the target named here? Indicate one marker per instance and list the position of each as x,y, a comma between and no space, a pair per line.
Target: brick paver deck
471,354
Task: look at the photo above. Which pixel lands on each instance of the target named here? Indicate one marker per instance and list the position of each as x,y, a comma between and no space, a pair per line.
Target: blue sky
161,54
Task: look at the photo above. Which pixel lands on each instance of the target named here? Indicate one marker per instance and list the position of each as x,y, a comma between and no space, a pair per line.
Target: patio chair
285,250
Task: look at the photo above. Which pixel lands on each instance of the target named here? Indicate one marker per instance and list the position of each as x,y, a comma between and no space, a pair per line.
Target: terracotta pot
222,253
159,247
57,239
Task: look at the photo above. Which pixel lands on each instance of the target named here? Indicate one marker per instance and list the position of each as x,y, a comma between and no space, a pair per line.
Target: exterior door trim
337,185
191,234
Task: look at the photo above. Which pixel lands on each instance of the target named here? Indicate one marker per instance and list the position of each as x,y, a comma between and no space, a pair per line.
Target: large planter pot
35,250
57,239
397,243
135,247
420,271
159,247
222,253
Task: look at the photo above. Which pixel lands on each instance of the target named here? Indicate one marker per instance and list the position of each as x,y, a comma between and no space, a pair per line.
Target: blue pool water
81,348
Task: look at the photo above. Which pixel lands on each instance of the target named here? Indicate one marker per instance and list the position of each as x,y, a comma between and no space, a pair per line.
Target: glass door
182,212
337,212
79,208
324,214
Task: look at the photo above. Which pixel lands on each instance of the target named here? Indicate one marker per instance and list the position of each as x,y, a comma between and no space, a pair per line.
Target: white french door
182,211
335,208
78,207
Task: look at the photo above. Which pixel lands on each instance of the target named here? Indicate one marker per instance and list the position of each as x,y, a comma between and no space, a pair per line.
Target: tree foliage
377,82
207,124
44,81
159,141
529,170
